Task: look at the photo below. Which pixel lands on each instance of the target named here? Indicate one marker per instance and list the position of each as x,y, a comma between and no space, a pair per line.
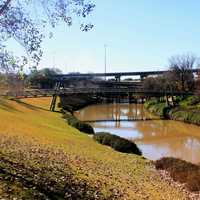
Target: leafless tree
181,71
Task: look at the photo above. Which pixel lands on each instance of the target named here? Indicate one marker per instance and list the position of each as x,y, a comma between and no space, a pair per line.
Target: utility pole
105,59
53,59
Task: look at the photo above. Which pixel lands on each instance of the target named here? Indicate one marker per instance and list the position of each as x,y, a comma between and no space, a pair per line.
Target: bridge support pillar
118,78
55,95
142,77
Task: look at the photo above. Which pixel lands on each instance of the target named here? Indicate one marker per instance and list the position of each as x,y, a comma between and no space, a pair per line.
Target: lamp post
105,59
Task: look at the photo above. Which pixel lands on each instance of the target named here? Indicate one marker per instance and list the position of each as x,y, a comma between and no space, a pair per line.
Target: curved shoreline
164,173
177,113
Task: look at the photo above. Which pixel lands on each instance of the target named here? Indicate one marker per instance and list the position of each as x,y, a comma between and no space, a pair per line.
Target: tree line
179,78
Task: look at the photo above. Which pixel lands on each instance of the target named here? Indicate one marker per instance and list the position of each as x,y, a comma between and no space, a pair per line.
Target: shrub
158,108
85,128
181,171
185,115
109,139
100,136
194,100
125,146
74,122
117,143
189,101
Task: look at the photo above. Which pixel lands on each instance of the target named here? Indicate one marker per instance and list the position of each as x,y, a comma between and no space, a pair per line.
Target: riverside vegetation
42,157
186,109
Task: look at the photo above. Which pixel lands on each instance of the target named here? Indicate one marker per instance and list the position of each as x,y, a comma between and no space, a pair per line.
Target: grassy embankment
42,157
75,102
187,109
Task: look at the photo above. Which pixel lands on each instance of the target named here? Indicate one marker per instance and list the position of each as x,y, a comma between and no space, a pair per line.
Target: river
156,138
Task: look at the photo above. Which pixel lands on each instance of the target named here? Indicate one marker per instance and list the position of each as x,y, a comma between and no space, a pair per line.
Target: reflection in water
113,112
156,138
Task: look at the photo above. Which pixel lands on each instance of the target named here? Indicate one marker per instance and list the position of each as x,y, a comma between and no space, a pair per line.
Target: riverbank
75,102
42,157
186,110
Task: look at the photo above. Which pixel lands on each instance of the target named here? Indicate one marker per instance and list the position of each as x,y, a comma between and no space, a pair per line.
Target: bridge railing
119,91
100,91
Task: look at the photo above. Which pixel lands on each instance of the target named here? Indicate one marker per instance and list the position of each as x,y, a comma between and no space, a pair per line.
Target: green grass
40,154
189,101
157,108
189,115
186,110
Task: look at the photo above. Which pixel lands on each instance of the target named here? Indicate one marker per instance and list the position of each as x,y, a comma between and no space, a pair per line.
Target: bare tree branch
4,7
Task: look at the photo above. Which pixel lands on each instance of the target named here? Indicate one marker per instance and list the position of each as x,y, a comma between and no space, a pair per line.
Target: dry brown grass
34,141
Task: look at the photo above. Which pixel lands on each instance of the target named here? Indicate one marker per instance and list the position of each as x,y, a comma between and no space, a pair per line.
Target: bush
181,171
109,139
125,146
117,143
74,122
189,101
100,136
185,115
158,108
85,128
194,100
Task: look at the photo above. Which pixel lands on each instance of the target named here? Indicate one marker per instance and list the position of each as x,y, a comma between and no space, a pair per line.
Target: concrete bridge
116,75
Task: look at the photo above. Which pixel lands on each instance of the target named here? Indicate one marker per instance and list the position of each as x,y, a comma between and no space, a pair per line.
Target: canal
156,138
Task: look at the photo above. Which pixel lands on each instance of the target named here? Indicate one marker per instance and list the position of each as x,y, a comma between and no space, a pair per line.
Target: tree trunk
182,82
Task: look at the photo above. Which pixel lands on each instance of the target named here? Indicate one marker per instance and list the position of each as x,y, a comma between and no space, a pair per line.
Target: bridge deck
95,91
114,74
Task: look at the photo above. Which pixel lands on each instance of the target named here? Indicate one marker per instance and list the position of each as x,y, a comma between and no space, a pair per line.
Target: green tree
43,78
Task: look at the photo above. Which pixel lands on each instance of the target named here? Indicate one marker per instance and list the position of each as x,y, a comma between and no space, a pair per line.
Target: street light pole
105,59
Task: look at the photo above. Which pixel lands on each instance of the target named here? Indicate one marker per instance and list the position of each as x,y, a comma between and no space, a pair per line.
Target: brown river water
156,138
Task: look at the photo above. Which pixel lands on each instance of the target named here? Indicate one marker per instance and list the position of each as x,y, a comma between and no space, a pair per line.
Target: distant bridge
116,75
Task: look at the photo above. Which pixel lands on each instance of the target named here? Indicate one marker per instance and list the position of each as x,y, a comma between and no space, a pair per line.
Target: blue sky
140,34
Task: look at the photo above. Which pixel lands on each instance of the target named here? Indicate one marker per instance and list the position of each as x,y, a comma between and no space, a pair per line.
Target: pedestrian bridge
95,91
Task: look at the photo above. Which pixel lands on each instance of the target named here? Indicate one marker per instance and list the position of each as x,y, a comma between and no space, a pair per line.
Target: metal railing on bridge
94,91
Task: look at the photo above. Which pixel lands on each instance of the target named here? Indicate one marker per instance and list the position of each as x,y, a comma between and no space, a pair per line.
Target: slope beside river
41,157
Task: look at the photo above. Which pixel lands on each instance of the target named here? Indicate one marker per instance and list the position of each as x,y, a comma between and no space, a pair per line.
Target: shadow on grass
4,105
29,106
